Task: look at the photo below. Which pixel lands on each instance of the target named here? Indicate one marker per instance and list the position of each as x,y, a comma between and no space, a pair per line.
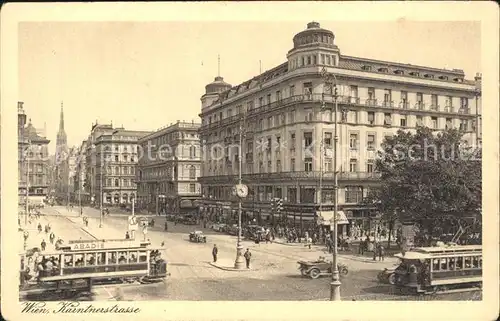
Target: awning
326,218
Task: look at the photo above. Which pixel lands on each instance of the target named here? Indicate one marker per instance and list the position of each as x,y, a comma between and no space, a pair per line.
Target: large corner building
284,123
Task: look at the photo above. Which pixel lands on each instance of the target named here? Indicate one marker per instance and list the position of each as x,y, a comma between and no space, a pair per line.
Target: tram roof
448,248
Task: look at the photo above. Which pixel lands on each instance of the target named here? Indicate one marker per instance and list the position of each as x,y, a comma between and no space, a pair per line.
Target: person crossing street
215,251
248,256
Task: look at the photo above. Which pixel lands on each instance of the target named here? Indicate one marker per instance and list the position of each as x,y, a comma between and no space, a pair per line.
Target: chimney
478,76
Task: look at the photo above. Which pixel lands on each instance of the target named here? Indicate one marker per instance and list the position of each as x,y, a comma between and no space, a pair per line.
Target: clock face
241,190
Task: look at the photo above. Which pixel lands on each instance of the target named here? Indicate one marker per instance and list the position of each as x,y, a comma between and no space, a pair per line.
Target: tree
431,180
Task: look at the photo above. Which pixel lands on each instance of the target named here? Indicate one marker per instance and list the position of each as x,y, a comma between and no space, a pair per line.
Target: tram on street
72,271
444,269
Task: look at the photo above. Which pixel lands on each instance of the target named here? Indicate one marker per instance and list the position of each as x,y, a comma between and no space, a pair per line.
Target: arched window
192,172
117,170
117,182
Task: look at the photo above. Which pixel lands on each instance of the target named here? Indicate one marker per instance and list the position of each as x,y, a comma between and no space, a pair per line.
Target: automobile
322,266
197,237
233,229
219,227
189,220
388,275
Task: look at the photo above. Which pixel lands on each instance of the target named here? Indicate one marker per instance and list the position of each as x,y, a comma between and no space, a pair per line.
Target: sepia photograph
312,159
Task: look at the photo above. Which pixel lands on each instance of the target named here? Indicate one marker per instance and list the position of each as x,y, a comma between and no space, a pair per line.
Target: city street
273,276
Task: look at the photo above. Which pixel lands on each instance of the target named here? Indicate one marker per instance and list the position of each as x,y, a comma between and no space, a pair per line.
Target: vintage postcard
250,161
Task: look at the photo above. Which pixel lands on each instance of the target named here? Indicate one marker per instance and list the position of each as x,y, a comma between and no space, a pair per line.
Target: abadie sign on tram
104,245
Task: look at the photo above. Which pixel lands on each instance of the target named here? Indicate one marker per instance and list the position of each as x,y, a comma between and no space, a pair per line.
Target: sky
146,75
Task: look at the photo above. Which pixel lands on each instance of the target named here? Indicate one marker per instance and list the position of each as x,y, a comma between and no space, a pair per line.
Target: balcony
404,104
371,102
419,105
449,109
464,110
388,103
434,107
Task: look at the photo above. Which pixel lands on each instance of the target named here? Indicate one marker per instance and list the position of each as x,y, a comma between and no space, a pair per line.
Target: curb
232,269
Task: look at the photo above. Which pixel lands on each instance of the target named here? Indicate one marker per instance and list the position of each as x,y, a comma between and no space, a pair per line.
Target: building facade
33,159
169,167
110,164
286,112
80,174
61,161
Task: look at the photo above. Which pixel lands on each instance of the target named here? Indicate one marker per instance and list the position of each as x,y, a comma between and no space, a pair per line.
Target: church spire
61,120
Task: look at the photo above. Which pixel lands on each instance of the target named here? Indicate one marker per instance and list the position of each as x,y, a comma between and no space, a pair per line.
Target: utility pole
238,263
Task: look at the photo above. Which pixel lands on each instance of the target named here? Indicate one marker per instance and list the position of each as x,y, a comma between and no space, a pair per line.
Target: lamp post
27,183
335,284
240,191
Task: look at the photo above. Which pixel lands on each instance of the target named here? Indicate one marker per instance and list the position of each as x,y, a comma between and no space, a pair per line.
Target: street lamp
241,191
100,191
335,284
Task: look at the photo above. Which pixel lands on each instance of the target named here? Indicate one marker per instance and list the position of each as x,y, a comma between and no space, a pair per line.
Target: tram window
475,262
122,257
68,260
435,265
451,263
78,259
467,263
101,258
133,257
112,258
459,264
480,261
444,263
90,259
143,256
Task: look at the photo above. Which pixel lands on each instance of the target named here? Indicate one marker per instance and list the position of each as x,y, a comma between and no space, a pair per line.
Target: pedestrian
166,226
127,235
362,247
381,252
248,256
43,245
215,251
52,237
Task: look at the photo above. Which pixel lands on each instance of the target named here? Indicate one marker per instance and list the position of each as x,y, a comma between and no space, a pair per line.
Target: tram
444,269
72,271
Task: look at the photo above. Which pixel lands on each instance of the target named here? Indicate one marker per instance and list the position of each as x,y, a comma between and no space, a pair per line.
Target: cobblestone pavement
274,274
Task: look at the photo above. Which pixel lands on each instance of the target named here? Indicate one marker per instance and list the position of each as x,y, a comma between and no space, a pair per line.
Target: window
328,60
292,165
268,99
353,165
308,165
269,122
404,99
354,91
369,166
192,172
308,139
323,59
387,119
420,121
434,102
352,116
366,68
370,142
116,158
117,183
269,166
192,188
278,95
328,140
328,165
229,113
371,93
278,165
353,194
434,122
261,101
308,60
419,103
448,123
292,90
308,114
308,89
387,95
192,152
353,141
371,118
292,141
402,121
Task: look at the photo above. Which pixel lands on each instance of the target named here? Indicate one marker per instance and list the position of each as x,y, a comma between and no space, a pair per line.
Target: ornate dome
217,86
314,34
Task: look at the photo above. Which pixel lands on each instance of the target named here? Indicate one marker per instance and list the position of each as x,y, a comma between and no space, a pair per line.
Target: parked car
388,275
197,237
314,269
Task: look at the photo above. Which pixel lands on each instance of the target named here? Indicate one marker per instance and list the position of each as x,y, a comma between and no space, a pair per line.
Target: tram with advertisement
440,269
71,272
